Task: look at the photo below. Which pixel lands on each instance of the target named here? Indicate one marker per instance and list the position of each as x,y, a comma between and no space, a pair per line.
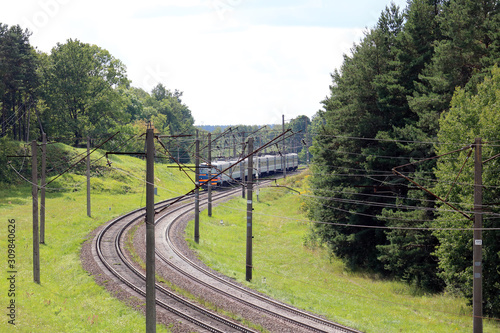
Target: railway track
108,248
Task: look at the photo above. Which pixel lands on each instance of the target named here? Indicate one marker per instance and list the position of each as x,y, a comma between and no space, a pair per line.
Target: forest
77,91
422,83
80,90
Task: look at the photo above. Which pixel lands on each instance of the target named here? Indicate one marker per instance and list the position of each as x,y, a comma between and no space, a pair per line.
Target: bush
9,147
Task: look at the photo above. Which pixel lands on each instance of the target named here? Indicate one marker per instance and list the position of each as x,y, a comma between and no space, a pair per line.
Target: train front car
204,175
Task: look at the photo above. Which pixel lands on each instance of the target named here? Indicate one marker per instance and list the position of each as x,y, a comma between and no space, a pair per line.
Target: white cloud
268,70
241,76
231,69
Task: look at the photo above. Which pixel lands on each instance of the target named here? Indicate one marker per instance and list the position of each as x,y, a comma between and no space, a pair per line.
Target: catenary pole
209,182
34,194
234,146
477,301
150,234
242,165
284,147
88,178
42,188
197,191
249,212
306,141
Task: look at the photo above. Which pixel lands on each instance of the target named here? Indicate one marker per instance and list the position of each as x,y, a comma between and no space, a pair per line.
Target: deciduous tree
80,83
471,115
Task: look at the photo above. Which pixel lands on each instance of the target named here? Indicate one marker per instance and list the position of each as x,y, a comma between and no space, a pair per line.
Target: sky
236,61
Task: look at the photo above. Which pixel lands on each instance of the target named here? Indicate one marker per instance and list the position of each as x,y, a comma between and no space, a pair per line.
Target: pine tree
471,115
18,81
408,253
359,107
462,53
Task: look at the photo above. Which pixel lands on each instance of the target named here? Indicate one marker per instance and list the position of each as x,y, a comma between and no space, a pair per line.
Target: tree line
298,140
422,82
78,90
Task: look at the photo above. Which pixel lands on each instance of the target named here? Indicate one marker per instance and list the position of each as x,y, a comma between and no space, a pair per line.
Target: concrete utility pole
88,177
477,301
257,188
42,189
34,194
249,212
209,182
150,234
306,141
226,148
284,147
197,191
242,165
234,146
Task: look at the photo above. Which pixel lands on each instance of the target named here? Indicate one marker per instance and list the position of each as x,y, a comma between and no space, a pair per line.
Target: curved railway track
108,250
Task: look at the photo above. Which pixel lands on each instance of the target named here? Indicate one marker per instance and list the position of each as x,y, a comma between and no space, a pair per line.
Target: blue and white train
262,166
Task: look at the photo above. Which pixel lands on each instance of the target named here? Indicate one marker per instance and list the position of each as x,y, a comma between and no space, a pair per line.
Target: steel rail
183,210
163,292
239,289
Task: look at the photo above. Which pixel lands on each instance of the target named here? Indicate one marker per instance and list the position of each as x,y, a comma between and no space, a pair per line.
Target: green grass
68,299
307,277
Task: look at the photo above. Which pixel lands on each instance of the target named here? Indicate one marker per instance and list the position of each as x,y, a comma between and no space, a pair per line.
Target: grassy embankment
68,299
307,277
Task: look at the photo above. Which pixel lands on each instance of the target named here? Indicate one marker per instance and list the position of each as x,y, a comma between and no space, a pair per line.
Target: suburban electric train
262,166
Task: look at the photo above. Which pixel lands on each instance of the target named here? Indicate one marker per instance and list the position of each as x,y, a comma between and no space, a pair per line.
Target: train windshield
204,170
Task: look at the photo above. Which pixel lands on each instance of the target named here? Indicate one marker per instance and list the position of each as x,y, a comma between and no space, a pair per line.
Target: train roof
220,162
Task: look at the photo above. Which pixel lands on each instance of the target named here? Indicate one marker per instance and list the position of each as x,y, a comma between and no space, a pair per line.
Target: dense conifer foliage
383,111
18,81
